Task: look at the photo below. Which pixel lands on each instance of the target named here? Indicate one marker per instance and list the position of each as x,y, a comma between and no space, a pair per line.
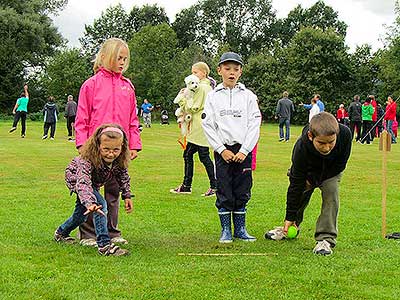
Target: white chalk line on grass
227,254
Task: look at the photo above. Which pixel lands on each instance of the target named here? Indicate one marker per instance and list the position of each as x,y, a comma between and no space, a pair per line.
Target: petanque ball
292,232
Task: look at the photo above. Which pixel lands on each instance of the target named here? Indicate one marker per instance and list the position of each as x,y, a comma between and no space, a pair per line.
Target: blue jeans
286,122
389,127
78,217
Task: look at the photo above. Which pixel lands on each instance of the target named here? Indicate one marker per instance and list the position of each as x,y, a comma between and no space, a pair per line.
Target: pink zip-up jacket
107,97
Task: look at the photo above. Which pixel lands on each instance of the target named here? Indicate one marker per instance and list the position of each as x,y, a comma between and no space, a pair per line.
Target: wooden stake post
385,143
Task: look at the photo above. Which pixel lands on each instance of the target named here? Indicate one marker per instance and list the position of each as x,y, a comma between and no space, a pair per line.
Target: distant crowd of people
367,119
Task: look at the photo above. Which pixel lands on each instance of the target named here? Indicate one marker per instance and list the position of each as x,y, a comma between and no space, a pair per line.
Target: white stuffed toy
185,99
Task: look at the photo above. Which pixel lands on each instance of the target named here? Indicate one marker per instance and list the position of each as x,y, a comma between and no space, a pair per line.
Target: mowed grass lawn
35,200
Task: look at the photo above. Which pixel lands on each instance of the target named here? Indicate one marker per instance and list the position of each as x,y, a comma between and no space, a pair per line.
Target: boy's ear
310,135
219,70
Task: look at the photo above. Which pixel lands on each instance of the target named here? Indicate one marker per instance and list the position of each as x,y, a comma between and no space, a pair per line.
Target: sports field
35,200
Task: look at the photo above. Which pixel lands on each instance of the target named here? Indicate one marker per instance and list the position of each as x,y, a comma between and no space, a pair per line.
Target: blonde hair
108,54
202,66
91,149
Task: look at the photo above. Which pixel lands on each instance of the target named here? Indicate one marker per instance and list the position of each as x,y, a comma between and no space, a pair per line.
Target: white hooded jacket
231,116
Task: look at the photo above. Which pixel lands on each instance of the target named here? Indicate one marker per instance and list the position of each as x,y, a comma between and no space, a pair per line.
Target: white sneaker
88,242
275,234
119,240
323,248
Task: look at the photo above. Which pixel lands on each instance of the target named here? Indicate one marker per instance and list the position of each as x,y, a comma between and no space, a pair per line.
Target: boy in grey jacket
231,123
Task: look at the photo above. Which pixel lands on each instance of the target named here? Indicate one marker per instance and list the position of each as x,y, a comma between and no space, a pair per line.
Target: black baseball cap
231,56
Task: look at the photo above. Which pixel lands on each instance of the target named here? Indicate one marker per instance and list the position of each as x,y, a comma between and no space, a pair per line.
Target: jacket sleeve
84,188
307,106
278,108
297,182
210,125
134,134
253,126
124,182
82,121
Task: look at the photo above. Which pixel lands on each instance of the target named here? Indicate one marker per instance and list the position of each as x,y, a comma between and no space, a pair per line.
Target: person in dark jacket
284,111
319,158
70,115
50,112
355,117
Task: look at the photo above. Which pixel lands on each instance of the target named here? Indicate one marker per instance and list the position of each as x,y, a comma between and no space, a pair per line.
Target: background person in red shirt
341,114
390,117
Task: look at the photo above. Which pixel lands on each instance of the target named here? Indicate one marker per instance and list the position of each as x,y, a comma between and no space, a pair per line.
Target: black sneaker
12,129
182,189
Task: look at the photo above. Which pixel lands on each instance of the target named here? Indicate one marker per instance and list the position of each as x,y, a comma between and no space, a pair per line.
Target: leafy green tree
113,22
116,22
364,72
28,38
146,15
319,16
245,25
388,60
153,69
318,62
65,74
265,75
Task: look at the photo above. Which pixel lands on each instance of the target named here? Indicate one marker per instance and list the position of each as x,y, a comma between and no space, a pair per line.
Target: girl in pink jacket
108,97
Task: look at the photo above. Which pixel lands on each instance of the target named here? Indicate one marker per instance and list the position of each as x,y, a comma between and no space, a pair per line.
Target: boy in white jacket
231,123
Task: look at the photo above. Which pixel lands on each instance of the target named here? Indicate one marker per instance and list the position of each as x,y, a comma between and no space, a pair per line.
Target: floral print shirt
81,178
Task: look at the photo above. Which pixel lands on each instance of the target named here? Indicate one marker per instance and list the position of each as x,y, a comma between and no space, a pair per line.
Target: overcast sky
365,18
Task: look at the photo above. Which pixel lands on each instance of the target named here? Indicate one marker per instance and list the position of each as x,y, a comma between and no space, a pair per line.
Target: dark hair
323,124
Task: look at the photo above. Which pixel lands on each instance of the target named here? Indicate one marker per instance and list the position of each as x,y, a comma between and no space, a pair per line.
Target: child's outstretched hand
227,155
128,205
94,208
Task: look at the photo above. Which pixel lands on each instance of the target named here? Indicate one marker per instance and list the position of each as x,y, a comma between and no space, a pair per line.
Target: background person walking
70,115
284,111
20,111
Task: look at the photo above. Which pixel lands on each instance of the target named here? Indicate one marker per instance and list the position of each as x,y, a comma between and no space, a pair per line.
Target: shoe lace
323,245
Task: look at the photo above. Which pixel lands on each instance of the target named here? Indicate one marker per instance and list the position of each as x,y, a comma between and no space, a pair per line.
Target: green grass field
35,200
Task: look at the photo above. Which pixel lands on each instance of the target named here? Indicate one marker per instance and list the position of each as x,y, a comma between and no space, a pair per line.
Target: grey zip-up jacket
231,116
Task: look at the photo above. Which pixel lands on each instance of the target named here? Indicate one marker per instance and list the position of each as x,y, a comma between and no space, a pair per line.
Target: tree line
304,53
